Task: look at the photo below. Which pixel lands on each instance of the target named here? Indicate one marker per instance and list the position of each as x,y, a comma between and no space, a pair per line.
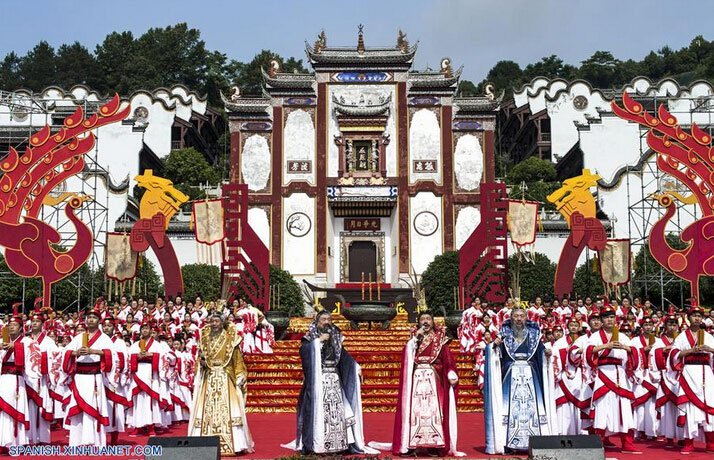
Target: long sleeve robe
14,411
433,351
88,410
219,396
696,385
311,409
145,387
518,386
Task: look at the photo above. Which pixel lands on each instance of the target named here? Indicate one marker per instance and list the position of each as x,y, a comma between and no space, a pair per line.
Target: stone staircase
274,380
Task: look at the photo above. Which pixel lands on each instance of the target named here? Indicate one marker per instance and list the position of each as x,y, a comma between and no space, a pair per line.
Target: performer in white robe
14,411
466,332
40,403
264,336
692,355
167,374
167,370
145,412
645,386
608,359
576,358
667,382
89,361
179,410
117,389
249,318
124,309
480,359
569,382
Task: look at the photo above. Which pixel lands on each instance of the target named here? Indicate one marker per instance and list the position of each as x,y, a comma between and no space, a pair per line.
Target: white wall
299,252
422,248
425,144
299,144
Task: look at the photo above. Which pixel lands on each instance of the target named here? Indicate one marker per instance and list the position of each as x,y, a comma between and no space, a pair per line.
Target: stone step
383,405
265,391
359,356
384,365
261,380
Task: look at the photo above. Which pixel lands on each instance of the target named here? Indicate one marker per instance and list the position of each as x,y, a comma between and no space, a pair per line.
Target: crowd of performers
617,370
130,366
565,368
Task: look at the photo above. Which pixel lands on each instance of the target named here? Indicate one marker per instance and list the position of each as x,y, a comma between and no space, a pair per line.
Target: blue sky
474,33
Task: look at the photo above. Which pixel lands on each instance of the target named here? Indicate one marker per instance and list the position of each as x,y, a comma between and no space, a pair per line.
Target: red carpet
271,430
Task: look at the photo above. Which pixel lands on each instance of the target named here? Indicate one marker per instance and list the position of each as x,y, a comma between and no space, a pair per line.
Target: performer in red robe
426,402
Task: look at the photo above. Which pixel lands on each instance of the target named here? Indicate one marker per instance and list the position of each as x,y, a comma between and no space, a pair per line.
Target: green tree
439,280
653,66
172,55
649,275
249,76
291,298
10,76
115,57
466,88
549,67
539,177
505,75
76,66
38,67
216,79
600,69
536,279
201,280
532,169
148,282
587,281
188,169
79,289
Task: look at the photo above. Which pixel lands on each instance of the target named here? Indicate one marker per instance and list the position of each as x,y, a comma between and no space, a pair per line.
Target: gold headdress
221,309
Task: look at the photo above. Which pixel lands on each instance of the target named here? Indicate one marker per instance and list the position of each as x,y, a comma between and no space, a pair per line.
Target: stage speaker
186,448
580,447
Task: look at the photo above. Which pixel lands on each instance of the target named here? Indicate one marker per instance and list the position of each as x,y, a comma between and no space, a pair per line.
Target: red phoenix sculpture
688,157
28,178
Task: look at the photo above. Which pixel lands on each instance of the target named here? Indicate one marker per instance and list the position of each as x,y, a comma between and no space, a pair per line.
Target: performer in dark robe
329,412
426,402
518,386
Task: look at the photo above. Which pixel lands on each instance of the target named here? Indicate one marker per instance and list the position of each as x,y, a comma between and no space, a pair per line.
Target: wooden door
362,259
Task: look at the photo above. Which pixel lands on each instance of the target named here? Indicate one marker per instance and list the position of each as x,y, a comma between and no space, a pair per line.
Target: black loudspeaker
185,448
580,447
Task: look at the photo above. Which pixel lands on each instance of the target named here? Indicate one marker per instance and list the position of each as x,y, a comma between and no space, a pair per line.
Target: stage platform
272,429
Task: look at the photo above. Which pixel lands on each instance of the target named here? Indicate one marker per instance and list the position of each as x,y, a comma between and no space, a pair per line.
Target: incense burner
370,311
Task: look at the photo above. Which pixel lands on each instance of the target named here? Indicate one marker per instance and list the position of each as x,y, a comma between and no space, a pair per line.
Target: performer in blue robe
518,386
329,411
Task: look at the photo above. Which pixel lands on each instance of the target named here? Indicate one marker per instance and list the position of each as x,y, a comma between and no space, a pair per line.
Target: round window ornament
141,113
426,223
580,102
20,113
298,224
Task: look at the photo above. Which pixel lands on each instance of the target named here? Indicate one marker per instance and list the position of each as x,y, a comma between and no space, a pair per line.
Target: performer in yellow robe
219,395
